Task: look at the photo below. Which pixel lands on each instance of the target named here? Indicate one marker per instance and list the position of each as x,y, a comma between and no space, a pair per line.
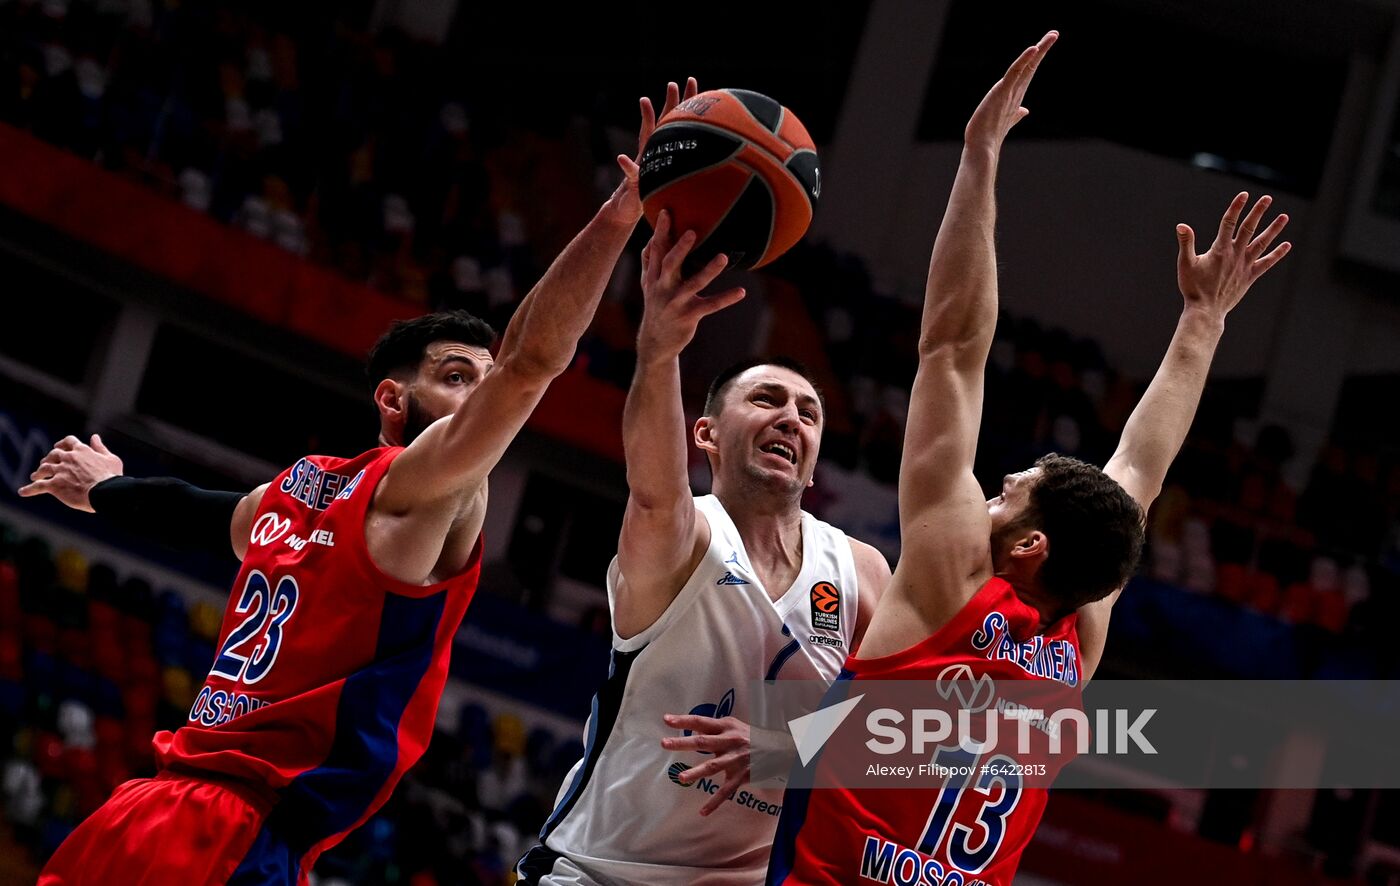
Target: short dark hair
719,387
401,348
1094,526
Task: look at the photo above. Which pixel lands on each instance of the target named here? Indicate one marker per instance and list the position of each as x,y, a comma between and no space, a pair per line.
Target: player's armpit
656,554
873,576
241,526
1093,633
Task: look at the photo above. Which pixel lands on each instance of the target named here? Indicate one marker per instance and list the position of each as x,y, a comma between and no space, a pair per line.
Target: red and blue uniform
958,832
322,694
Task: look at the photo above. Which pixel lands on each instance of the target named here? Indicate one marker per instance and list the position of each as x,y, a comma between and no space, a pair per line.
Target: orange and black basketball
739,170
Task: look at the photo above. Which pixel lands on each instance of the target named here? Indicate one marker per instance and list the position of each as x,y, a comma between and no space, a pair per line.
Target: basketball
738,169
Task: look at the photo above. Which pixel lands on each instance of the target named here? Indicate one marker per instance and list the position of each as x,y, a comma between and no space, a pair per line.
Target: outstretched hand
1000,109
1216,281
71,469
626,199
726,738
672,305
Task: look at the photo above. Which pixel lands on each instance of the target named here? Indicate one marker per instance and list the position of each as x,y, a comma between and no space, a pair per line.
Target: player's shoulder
871,566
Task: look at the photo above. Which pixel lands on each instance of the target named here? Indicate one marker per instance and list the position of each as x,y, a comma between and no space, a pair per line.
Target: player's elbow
953,352
529,373
957,325
538,364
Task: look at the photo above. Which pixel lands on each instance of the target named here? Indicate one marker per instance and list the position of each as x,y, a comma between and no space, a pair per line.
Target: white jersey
622,816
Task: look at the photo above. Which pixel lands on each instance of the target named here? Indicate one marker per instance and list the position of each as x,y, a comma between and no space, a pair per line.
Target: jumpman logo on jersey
729,577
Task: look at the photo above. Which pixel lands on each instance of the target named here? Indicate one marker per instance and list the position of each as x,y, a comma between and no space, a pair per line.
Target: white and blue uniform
622,817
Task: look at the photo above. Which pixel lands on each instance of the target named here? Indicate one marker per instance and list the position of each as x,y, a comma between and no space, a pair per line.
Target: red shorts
176,830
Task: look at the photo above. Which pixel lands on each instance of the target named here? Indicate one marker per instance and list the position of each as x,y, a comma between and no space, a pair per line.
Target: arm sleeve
169,511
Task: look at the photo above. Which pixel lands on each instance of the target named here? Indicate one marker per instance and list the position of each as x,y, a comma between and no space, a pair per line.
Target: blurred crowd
300,127
91,666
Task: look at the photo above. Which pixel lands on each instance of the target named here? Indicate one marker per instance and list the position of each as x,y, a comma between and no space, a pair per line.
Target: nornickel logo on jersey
270,527
826,606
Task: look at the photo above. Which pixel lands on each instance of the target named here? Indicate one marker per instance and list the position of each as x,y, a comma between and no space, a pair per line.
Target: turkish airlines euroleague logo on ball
826,606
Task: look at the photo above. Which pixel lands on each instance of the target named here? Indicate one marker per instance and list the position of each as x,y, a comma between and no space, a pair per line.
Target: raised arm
662,536
90,477
1211,286
943,516
456,453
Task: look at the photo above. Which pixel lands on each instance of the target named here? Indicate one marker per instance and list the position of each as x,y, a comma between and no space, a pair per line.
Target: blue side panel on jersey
606,704
536,864
795,800
269,861
330,798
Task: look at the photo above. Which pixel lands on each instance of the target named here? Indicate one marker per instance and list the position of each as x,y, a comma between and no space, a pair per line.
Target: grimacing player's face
769,427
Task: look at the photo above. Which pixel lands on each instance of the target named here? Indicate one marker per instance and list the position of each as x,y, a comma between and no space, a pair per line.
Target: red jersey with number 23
328,673
965,831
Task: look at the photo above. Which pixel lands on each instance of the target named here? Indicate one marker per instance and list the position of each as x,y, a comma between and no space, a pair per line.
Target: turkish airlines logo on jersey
270,527
826,606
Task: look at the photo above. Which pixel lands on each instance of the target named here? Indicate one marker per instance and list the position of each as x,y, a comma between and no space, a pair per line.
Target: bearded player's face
448,375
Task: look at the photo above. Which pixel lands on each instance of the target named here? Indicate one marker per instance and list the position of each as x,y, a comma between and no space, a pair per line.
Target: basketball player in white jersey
709,595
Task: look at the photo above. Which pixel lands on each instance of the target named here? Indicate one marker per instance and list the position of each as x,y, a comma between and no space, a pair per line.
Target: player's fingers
1042,47
1022,62
649,266
1250,224
68,443
693,722
648,122
36,488
1231,218
719,763
1029,65
675,257
711,304
695,773
692,88
706,275
629,167
681,743
660,242
1262,243
673,98
731,785
99,445
1186,247
44,472
1260,267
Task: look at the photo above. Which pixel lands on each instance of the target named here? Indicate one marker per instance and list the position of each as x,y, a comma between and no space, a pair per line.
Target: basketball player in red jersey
991,584
356,574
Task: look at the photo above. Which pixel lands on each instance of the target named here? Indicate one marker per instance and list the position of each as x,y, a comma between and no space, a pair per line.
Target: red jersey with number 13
971,829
